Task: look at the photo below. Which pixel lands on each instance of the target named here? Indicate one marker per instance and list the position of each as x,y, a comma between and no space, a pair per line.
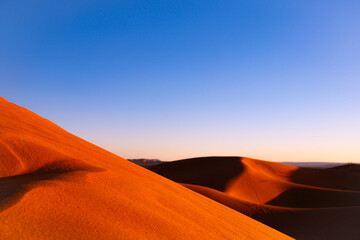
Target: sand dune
314,164
145,162
304,203
349,167
54,185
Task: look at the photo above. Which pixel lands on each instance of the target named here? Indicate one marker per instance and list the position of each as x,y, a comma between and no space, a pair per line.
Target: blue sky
277,80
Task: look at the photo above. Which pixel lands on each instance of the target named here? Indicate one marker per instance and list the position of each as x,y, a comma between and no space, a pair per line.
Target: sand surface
54,185
304,203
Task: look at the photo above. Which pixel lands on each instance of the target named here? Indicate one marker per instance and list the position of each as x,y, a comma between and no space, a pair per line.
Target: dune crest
54,185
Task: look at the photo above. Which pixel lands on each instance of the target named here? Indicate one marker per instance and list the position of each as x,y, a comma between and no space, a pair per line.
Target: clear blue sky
277,80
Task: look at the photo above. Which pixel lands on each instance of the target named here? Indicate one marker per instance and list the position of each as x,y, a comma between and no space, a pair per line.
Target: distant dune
144,162
313,164
54,185
305,203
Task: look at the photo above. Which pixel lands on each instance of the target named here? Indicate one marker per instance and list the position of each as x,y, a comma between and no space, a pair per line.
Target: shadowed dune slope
304,203
352,167
54,185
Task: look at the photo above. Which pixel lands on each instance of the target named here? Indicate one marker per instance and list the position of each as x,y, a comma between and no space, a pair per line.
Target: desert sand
304,203
54,185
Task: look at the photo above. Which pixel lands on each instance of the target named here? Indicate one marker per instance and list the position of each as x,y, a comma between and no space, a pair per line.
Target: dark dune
201,171
352,167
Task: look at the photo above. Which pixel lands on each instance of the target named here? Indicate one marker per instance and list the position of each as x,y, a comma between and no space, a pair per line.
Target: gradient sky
275,80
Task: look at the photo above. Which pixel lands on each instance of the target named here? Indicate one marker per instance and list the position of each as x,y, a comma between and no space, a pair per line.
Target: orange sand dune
54,185
304,203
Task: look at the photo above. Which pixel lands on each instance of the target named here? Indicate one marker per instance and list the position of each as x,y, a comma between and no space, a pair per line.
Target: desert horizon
179,120
41,159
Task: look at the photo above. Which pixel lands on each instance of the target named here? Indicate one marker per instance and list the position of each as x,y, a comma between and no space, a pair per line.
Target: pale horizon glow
272,80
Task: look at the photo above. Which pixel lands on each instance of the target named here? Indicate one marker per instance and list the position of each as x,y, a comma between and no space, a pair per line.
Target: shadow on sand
13,188
212,172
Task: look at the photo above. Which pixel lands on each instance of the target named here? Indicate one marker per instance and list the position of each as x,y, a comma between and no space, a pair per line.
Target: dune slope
304,203
54,185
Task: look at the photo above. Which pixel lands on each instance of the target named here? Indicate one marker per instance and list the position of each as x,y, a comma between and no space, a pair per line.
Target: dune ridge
305,203
54,185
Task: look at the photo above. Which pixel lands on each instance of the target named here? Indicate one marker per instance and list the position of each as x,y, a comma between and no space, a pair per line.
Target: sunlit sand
55,185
